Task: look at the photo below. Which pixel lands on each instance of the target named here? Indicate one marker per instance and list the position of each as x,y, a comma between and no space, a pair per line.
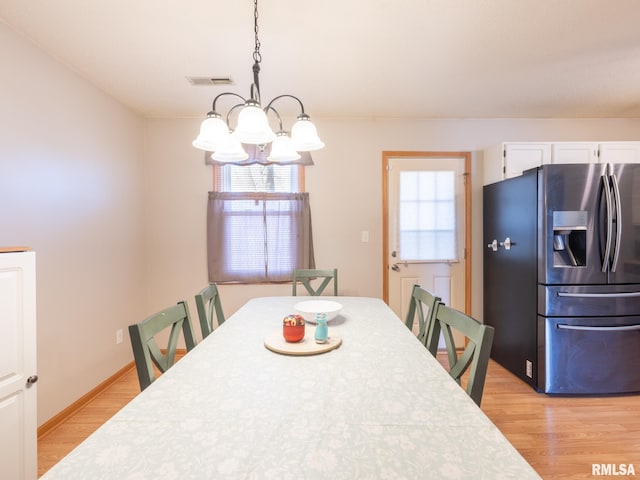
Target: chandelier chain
256,53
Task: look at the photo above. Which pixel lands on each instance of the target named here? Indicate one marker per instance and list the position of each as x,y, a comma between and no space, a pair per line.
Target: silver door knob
395,267
31,380
493,245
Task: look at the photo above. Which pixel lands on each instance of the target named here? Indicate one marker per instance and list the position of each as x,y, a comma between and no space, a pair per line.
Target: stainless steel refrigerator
562,277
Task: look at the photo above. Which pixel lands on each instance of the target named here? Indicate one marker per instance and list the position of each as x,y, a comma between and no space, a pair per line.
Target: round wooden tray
307,346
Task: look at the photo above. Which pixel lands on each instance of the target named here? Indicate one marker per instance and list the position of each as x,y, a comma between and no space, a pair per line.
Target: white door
426,229
18,416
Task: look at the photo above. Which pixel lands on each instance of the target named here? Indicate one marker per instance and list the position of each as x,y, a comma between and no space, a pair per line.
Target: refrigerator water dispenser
570,238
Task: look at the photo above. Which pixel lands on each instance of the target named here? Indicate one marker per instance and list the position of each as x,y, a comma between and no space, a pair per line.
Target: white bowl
308,309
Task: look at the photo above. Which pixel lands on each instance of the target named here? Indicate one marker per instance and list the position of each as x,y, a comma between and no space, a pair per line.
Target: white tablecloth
378,407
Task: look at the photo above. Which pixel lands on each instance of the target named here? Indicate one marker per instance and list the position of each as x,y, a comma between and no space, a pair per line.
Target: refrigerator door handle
618,237
609,228
620,328
493,245
599,295
507,244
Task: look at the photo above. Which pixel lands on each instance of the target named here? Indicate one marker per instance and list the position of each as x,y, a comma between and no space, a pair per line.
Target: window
427,216
258,178
259,224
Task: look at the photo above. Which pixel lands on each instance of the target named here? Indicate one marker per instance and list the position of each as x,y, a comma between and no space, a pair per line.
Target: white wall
345,185
70,188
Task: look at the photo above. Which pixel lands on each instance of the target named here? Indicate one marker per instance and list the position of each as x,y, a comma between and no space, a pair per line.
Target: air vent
208,81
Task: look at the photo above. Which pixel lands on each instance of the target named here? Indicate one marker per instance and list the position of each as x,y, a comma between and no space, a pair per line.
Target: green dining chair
475,356
423,305
209,309
146,351
306,276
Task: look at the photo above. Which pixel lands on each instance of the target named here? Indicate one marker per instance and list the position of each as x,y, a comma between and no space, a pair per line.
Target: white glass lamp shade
304,136
213,131
282,150
253,125
230,150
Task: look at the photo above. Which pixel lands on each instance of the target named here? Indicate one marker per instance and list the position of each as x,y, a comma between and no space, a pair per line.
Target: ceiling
353,58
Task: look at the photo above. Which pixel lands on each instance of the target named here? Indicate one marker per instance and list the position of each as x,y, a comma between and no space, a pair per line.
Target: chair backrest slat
208,303
421,298
146,351
305,276
474,358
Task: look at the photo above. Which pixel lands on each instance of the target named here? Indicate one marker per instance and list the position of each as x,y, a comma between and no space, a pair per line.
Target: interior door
425,228
18,423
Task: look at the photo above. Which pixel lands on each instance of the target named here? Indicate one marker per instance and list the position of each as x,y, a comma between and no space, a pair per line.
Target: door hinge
504,163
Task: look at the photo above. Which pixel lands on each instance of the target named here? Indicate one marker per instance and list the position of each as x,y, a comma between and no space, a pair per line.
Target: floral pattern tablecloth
378,407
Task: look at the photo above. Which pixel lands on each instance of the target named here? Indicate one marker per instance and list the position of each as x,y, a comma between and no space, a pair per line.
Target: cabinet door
614,152
493,164
574,152
18,416
518,157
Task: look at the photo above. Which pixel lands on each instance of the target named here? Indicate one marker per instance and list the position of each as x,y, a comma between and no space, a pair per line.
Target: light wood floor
561,437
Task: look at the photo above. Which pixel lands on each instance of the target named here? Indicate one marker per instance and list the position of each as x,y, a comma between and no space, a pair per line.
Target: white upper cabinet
518,157
620,152
510,159
574,152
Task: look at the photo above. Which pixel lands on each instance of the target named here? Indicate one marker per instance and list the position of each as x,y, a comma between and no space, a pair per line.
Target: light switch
365,236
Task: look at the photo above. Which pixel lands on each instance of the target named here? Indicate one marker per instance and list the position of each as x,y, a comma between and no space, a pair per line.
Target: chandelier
252,125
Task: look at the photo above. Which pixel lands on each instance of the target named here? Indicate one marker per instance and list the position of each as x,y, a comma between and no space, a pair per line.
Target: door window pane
427,216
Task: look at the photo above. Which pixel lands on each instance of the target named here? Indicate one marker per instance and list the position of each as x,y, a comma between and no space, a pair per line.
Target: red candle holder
293,328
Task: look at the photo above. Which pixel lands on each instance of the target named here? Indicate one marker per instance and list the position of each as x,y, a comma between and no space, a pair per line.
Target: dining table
378,406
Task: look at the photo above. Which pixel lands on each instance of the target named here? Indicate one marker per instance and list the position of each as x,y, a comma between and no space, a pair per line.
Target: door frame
386,155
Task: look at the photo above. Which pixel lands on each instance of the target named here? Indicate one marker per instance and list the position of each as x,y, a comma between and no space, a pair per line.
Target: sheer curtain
258,237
